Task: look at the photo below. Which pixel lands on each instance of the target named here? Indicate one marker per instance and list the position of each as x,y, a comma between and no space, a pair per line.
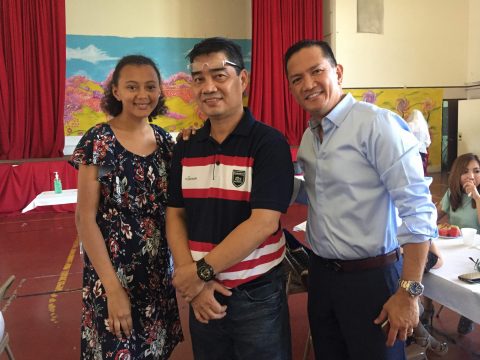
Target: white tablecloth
50,198
443,286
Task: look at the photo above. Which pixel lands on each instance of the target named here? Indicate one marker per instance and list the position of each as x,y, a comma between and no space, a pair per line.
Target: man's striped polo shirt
220,184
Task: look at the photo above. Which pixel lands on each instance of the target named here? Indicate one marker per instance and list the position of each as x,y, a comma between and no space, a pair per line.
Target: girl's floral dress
131,217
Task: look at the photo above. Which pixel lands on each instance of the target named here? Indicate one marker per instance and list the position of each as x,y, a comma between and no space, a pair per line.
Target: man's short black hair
232,51
326,49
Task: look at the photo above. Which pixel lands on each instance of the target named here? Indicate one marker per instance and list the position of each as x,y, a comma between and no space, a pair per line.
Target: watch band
413,288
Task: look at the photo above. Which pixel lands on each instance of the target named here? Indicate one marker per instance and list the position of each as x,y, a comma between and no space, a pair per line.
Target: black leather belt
359,265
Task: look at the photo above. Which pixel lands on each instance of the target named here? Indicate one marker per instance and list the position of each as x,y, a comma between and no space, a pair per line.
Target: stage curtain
22,183
32,78
277,24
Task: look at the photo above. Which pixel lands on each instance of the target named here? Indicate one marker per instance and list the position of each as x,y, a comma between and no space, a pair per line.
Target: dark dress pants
342,307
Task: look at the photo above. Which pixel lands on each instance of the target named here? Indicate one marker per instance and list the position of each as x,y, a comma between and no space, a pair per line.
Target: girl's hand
470,188
119,313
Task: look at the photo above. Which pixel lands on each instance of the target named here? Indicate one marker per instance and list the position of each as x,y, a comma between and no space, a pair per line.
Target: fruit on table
449,230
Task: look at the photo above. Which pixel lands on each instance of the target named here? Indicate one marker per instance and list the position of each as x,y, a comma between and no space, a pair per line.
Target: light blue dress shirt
367,165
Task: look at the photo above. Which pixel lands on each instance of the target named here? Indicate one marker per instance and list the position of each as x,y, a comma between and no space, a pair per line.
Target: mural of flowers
428,106
369,96
90,63
82,104
403,101
403,107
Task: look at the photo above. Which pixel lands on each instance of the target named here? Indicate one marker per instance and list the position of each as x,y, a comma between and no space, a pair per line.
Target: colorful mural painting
403,101
91,59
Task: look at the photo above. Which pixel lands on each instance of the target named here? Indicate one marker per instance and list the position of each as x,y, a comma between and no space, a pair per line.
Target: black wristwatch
413,288
205,271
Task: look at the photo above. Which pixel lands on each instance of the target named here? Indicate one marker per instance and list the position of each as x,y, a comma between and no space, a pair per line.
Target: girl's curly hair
112,106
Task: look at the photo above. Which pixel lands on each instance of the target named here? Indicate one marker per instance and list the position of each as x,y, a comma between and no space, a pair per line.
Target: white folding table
46,198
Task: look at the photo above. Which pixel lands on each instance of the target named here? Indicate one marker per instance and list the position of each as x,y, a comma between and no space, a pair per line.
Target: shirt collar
338,114
243,128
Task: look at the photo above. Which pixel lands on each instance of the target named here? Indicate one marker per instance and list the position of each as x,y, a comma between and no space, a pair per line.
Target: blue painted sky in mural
95,56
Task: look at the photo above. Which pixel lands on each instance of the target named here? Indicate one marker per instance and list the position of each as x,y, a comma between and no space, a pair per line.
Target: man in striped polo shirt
228,186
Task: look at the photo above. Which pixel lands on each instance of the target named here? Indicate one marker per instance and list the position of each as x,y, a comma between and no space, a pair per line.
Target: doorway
449,132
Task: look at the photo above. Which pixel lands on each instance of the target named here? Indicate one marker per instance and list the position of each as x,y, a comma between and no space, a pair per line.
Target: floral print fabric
131,217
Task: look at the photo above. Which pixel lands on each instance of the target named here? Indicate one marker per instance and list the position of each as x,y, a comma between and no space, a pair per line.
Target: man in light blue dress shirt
360,162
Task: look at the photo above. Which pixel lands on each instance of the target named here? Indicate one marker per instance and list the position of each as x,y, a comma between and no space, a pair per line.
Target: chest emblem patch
238,177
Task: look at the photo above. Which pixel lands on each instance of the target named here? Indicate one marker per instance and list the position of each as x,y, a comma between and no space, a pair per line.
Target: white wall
468,126
160,18
424,44
473,74
427,43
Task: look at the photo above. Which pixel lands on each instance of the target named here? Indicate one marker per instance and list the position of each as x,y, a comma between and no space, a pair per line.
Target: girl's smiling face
138,89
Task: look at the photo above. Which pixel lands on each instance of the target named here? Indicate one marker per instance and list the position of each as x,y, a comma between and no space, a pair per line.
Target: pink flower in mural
369,96
427,106
175,115
79,94
403,106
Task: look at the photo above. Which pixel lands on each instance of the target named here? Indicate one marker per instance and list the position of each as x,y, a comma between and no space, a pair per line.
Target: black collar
243,128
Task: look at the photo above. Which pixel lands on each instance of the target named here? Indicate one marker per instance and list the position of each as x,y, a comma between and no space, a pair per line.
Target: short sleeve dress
464,216
131,217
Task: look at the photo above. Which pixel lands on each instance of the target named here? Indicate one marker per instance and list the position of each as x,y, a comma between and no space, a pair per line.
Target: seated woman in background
461,203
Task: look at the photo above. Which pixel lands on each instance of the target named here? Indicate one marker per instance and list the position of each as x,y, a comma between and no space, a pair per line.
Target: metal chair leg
4,346
439,311
9,352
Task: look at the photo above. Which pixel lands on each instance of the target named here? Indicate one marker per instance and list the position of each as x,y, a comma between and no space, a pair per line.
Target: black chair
296,266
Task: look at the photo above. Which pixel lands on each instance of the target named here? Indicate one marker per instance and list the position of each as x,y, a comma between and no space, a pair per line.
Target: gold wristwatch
413,288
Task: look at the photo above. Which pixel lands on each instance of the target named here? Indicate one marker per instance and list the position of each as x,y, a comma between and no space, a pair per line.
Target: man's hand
206,307
401,310
187,282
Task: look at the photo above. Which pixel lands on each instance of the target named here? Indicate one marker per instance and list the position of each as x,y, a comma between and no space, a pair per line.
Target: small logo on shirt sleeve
238,177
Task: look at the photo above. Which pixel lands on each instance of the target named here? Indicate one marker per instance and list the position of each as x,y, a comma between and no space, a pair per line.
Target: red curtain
32,78
277,24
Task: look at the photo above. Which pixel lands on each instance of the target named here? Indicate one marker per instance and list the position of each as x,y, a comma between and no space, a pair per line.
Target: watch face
416,288
206,272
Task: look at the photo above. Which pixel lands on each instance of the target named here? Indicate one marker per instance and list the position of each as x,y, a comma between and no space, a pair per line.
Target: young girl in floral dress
129,304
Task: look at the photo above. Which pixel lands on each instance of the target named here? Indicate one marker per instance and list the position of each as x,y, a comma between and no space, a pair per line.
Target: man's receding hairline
307,47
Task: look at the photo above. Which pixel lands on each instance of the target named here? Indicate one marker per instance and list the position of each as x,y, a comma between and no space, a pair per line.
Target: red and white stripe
203,178
269,254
